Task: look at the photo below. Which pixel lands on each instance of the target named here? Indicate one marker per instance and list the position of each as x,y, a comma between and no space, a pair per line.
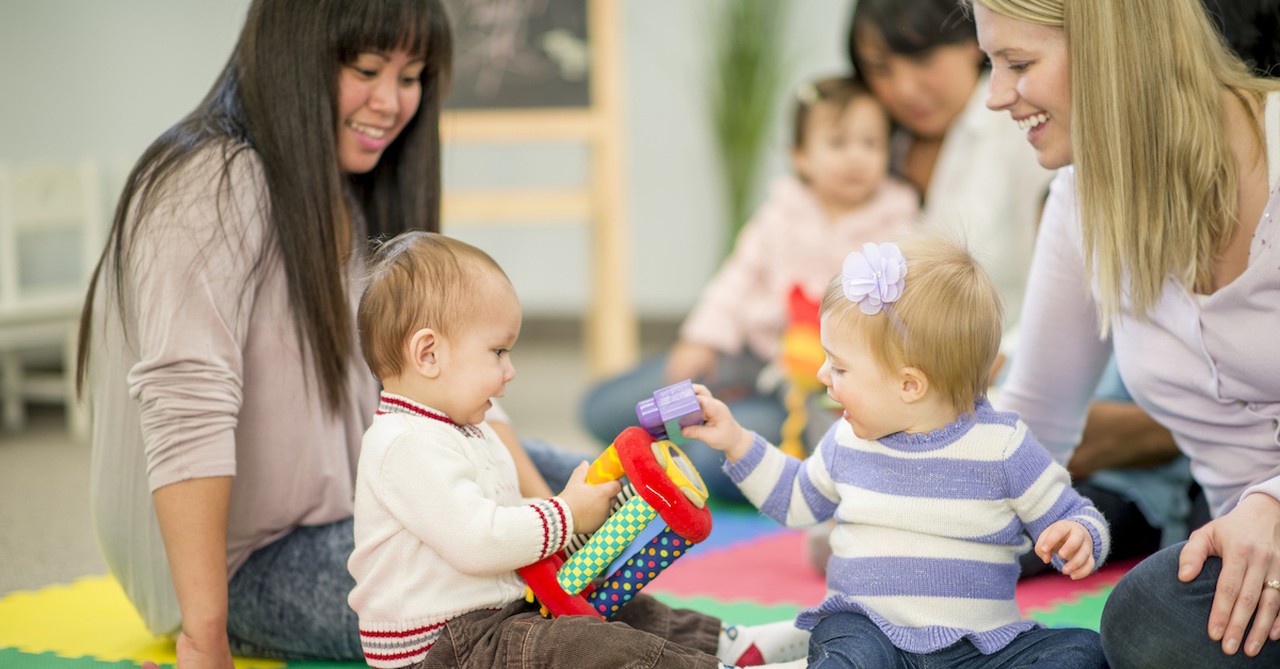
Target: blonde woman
1159,236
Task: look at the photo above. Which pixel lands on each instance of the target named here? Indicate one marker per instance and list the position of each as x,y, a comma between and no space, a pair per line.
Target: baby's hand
588,503
1070,541
720,431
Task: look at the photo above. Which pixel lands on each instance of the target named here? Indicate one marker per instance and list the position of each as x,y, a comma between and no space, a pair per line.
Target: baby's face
854,379
476,364
845,155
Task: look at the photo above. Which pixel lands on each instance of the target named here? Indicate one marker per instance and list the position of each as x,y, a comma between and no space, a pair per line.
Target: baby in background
440,526
839,197
933,491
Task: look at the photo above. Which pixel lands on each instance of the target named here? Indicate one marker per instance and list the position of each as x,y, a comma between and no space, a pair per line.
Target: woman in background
839,196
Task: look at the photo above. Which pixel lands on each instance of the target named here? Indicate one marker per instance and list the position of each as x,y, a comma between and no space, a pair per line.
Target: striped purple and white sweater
929,526
440,529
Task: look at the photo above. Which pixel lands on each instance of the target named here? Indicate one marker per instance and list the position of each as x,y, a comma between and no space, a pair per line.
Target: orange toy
802,356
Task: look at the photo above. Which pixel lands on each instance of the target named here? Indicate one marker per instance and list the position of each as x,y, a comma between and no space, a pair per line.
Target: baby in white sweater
440,526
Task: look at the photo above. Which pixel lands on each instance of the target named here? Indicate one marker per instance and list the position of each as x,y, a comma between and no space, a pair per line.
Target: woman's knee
610,406
1152,617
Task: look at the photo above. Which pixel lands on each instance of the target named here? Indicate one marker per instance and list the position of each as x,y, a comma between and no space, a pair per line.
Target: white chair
50,237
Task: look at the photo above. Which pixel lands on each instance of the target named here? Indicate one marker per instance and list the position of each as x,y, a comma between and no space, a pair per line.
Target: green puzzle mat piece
1085,611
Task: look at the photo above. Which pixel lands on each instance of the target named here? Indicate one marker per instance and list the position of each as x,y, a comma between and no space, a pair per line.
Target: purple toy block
670,409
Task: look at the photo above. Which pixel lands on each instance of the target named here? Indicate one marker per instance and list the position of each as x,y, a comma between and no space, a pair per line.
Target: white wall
102,78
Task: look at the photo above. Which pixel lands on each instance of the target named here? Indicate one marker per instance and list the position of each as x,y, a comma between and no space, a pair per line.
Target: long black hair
909,27
1252,29
277,97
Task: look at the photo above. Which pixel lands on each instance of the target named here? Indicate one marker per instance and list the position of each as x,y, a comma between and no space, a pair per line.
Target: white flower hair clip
873,278
808,94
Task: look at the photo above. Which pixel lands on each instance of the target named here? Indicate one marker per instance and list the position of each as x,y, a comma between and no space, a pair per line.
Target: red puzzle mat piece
774,570
1048,590
768,570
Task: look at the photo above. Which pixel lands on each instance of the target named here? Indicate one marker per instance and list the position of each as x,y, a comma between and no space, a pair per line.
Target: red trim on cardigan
410,407
567,531
546,529
391,634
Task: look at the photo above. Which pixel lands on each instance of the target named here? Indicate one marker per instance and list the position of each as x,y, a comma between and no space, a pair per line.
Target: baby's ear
912,384
425,349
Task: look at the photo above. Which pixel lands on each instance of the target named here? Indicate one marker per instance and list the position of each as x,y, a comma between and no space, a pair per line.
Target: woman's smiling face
378,94
1031,79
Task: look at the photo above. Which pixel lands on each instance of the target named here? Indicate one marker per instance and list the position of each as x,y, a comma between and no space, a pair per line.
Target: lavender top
1205,366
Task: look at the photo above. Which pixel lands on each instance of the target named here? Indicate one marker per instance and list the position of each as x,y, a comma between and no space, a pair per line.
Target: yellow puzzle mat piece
91,617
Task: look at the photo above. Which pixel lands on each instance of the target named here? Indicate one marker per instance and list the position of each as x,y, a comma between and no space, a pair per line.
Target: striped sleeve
795,493
1042,494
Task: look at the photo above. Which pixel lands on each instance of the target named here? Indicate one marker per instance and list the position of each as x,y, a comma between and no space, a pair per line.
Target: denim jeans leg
554,464
1152,619
289,600
852,641
610,406
1043,648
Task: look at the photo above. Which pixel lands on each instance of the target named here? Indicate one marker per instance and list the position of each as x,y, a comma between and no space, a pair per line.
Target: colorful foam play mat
748,571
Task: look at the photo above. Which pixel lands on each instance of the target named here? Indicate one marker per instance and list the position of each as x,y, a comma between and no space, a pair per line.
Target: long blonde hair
1156,176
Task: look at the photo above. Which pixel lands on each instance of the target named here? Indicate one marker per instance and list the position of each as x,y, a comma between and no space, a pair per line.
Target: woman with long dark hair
218,343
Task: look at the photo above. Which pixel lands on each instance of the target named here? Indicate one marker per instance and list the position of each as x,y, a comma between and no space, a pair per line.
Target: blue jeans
554,464
289,599
1152,619
851,640
610,408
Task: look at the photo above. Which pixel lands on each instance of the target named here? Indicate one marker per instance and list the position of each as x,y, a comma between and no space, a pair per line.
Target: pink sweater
789,241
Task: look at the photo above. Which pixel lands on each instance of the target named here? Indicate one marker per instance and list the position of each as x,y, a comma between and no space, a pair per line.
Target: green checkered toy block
606,544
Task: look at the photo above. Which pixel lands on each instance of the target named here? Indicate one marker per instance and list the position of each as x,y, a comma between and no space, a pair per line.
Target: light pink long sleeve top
789,241
204,377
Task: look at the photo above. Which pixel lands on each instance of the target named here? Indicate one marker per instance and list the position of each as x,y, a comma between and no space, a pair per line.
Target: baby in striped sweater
934,492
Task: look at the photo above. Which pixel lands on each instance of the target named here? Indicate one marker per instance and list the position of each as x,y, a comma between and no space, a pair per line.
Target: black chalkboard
519,54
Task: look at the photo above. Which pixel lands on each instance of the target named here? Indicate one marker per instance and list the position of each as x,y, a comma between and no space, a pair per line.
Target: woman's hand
192,655
1120,434
1248,541
691,360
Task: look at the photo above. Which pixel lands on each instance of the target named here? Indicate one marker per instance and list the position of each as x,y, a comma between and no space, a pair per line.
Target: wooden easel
610,328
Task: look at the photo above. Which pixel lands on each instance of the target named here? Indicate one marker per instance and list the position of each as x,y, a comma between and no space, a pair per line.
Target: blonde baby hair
418,280
946,323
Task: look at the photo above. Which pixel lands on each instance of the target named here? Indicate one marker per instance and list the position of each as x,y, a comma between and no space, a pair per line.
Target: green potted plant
746,73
